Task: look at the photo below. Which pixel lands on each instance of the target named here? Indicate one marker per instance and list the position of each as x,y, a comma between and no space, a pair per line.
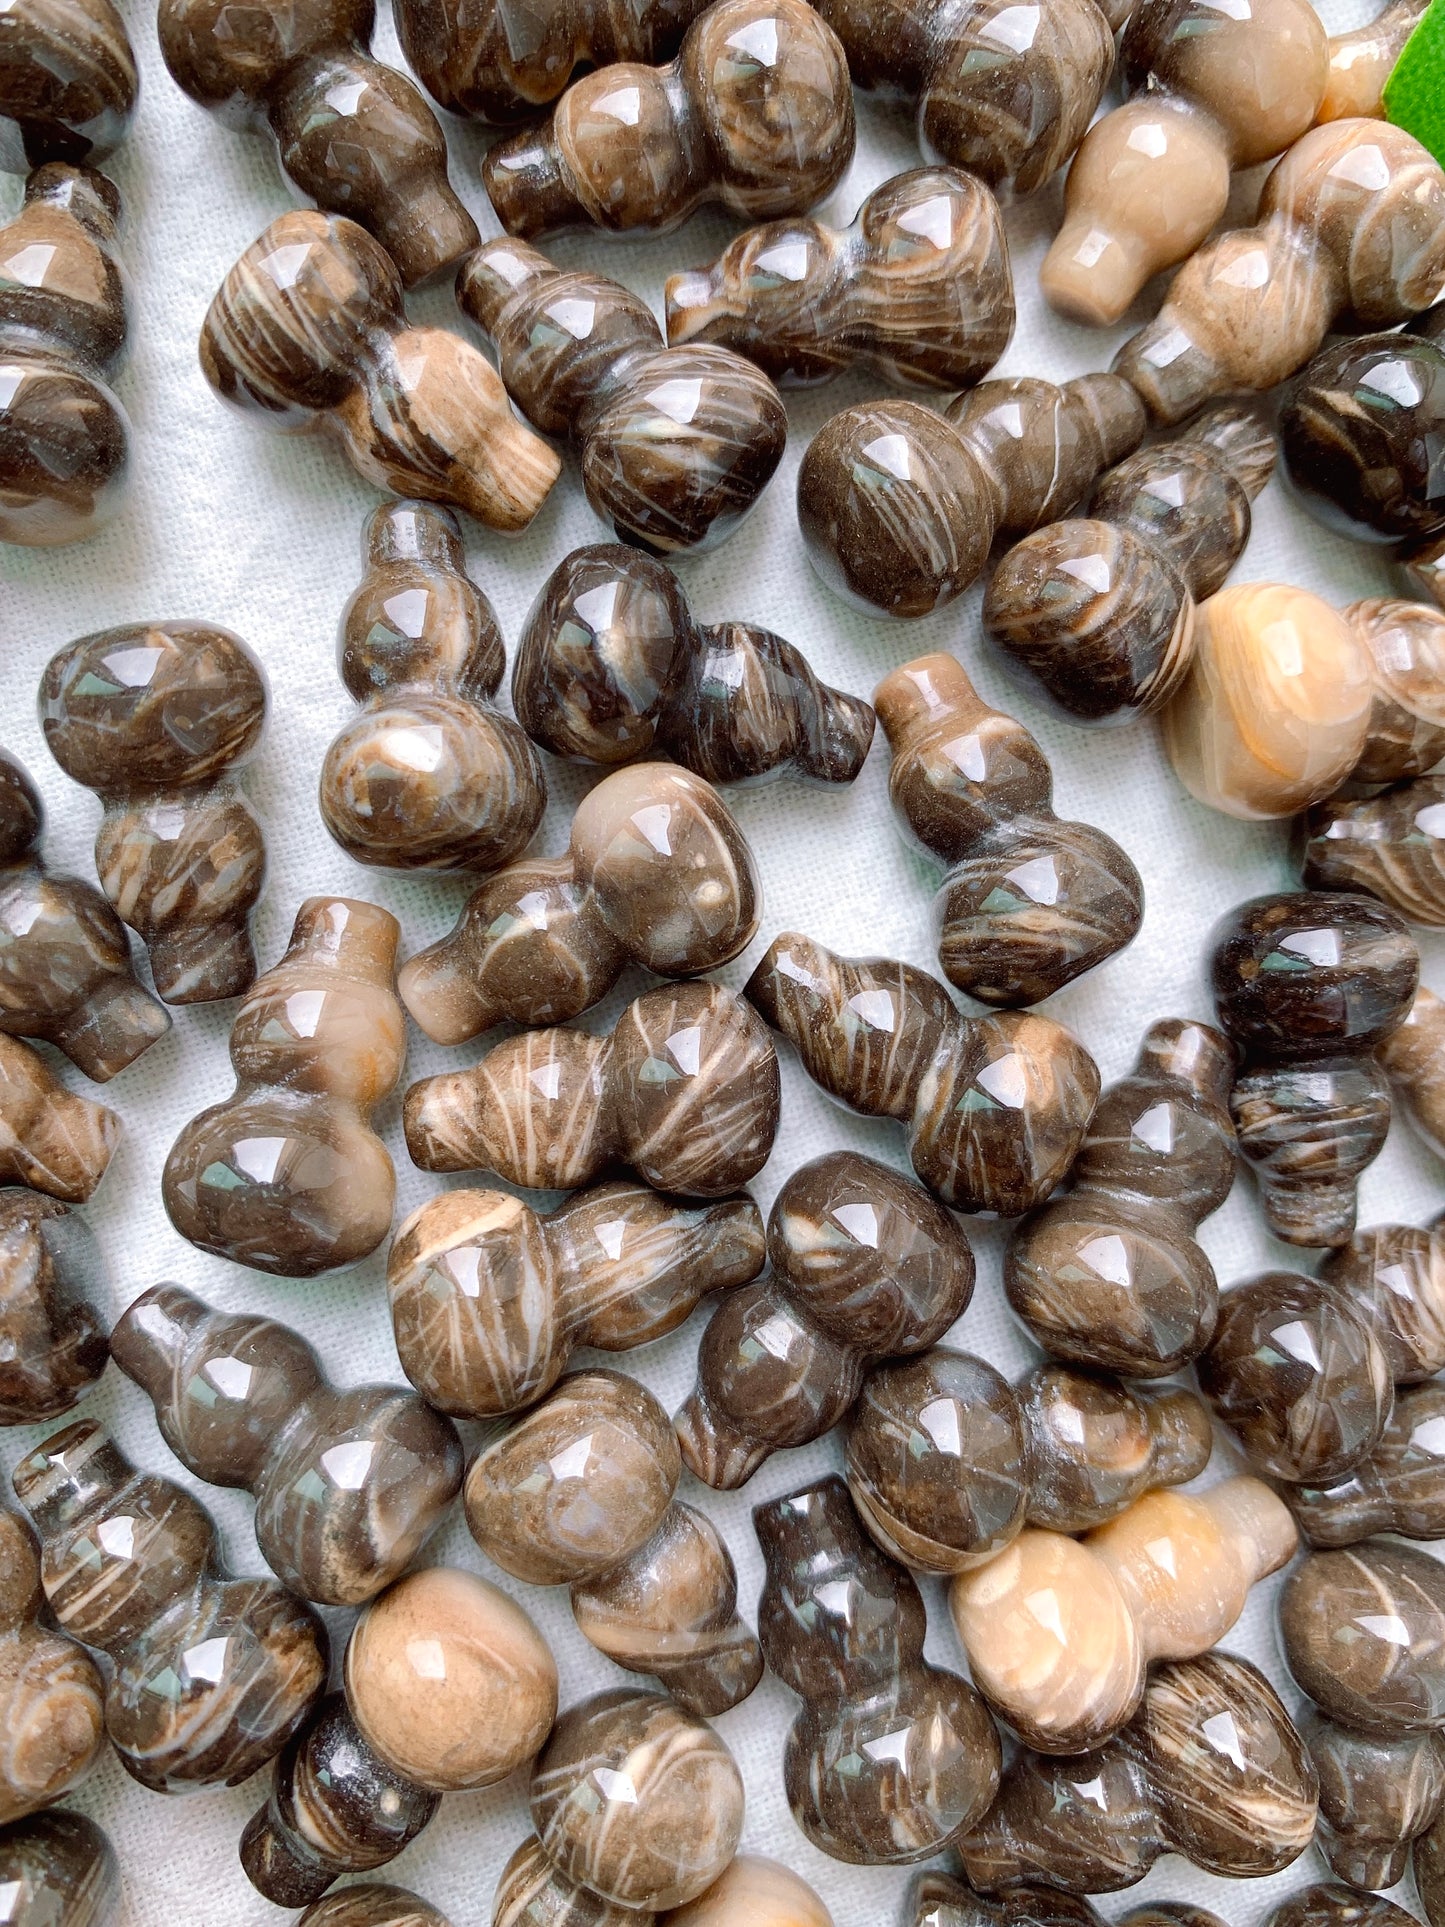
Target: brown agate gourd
899,506
1099,612
613,666
938,1900
489,1299
1307,986
155,717
348,1485
1028,902
50,1139
1328,1903
428,776
685,1089
1394,1277
579,1492
864,1265
947,1462
286,1174
354,136
65,970
129,1567
1413,1058
309,331
891,1758
657,873
52,1696
59,1870
995,1107
1210,1767
583,356
52,1334
1209,93
1397,1486
68,86
1351,220
63,333
917,289
1376,1797
756,112
1364,1635
1112,1276
373,1903
1362,59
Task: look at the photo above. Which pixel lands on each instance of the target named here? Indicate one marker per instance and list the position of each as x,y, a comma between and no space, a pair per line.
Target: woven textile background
262,533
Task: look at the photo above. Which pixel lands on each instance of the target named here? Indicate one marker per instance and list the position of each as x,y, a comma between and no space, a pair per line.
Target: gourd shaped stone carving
59,1870
754,1892
1413,1058
899,505
488,1299
1397,1486
335,1808
353,135
52,1332
1112,1276
756,111
1007,106
1352,219
50,1139
348,1485
613,666
154,717
685,1089
1328,1903
1210,92
373,1903
428,776
1364,1635
864,1265
1307,985
657,872
286,1174
676,444
1210,1767
68,83
65,970
63,323
938,1900
916,289
1028,902
890,1758
1362,59
995,1107
51,1692
308,331
579,1492
1393,1276
1099,611
1377,1796
208,1676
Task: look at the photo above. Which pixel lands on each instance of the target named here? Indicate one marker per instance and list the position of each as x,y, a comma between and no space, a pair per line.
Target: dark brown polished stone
1364,1636
940,1900
1331,1904
50,1139
1413,1058
59,1870
68,83
1377,1796
52,1696
52,1329
372,1903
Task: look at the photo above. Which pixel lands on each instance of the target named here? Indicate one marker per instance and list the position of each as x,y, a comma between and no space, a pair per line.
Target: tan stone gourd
50,1139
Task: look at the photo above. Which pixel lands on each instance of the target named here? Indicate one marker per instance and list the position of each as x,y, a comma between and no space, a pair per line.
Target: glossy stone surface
1099,612
1413,1058
1308,986
352,135
373,1904
1429,1860
1352,219
1390,846
488,1299
916,289
612,666
754,1892
286,1174
637,1800
52,1326
208,1676
428,775
50,1139
52,1697
348,1485
684,1088
335,1807
449,1682
59,1870
1028,902
864,1265
1209,92
533,1892
65,969
1399,1486
890,1758
1210,1767
1362,59
657,872
938,1900
675,444
1364,1636
1394,1277
308,331
1376,1797
1111,1275
1166,1579
899,505
158,718
1330,1904
64,436
68,83
995,1107
756,112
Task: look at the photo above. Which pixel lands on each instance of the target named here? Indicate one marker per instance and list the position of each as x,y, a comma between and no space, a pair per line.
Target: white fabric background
262,533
